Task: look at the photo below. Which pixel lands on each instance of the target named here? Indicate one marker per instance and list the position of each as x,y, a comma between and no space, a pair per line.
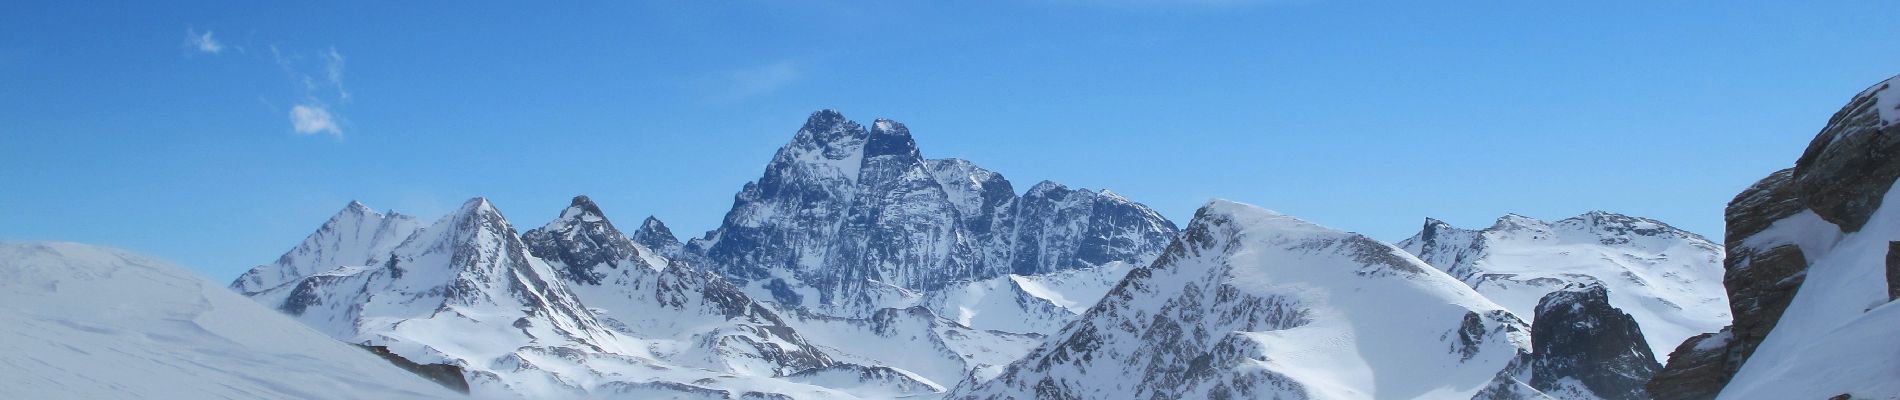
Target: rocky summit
1583,347
848,219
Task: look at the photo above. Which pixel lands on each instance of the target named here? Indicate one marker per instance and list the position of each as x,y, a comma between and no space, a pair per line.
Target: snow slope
1253,304
96,323
1669,279
915,340
1039,304
1838,334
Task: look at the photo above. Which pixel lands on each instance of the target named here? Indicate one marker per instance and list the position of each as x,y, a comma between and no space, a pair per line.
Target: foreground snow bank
88,322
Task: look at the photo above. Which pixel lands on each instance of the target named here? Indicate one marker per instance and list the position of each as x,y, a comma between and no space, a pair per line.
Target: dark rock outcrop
1842,177
449,376
1697,369
1579,337
1849,166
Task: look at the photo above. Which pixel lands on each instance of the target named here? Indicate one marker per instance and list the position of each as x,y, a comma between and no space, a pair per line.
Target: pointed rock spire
581,242
656,236
1579,339
582,207
890,138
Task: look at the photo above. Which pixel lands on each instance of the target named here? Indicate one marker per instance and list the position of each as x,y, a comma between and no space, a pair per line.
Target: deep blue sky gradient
1365,116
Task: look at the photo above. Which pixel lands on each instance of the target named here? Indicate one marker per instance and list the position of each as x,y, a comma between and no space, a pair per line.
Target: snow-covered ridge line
1251,303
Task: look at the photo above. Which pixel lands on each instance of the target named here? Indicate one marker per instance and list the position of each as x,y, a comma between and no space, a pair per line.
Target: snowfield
87,322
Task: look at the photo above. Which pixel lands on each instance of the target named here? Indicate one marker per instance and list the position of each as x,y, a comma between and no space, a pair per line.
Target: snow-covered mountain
1813,263
655,235
1669,279
576,308
462,291
352,237
86,322
848,220
1248,303
680,313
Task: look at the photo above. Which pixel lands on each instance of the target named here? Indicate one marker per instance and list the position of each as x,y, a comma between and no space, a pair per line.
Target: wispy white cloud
333,69
203,42
759,80
310,118
313,115
318,79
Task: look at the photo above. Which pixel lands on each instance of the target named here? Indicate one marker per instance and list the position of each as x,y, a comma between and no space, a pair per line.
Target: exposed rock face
846,218
1585,348
583,241
449,376
1059,228
655,235
1697,369
1778,228
1848,167
1762,278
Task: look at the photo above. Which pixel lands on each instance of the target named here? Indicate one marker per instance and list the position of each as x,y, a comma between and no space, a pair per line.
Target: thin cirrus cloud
312,115
758,80
202,42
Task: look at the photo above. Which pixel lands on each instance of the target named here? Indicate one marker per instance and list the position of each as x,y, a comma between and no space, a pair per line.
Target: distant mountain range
855,267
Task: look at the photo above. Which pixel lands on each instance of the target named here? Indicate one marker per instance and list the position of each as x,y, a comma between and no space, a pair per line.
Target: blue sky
219,135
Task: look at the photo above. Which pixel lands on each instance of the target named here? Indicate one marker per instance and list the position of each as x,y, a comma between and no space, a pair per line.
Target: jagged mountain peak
582,241
890,138
357,207
582,208
845,215
654,225
825,118
1434,227
477,215
830,134
352,236
653,233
